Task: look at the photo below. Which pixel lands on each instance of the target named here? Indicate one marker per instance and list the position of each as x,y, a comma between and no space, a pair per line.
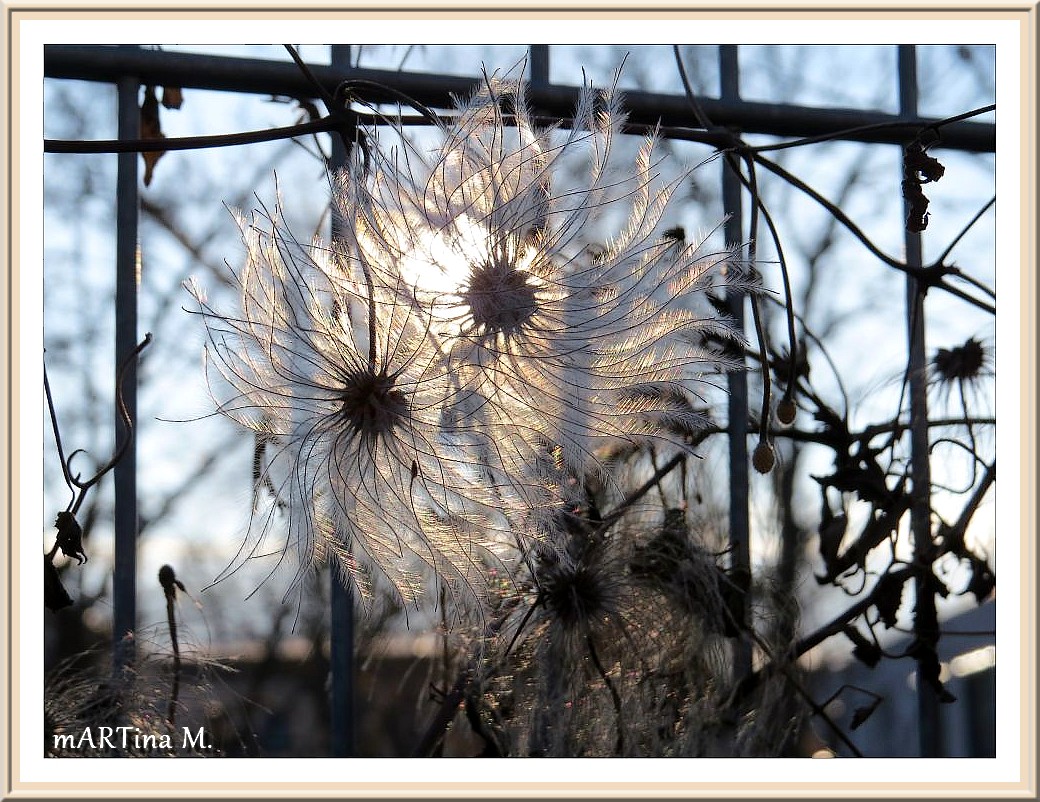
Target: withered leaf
832,530
888,597
70,537
861,475
917,207
923,167
150,129
918,168
55,597
983,580
866,651
788,369
172,97
860,716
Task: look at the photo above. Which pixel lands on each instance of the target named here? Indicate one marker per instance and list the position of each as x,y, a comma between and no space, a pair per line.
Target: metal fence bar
341,597
539,65
929,732
124,578
259,76
737,401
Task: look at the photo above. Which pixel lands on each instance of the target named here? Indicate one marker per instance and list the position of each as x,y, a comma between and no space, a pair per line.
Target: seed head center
370,404
575,593
500,297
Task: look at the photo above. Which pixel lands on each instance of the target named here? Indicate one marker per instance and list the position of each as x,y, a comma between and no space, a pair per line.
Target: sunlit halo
441,262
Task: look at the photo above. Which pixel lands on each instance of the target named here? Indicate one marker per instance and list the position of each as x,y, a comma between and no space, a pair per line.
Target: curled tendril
77,485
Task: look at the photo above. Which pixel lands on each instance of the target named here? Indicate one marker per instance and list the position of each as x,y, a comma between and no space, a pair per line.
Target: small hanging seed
786,411
763,459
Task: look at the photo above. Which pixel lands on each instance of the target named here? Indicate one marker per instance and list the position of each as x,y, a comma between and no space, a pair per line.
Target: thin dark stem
816,708
870,432
925,275
660,490
691,96
188,142
128,424
967,227
426,115
788,305
620,743
838,214
171,710
523,623
756,310
323,93
814,338
958,529
613,517
718,139
457,694
956,272
344,118
839,622
169,583
862,129
819,711
848,687
57,435
964,116
78,486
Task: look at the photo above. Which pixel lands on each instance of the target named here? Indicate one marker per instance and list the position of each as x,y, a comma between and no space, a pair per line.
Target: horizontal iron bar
260,76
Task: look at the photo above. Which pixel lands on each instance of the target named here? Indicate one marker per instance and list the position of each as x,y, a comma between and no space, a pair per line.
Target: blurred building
967,651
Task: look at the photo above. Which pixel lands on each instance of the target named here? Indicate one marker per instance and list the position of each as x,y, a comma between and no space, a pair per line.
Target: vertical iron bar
124,578
341,597
739,483
920,510
539,64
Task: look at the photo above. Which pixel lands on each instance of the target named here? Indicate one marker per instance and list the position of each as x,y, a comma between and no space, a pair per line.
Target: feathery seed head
551,331
576,593
463,328
344,383
963,363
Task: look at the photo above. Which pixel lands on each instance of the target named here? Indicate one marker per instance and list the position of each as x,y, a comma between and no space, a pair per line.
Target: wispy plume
437,382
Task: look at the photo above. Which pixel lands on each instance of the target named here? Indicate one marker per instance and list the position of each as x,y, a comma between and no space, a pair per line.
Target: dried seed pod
764,457
786,411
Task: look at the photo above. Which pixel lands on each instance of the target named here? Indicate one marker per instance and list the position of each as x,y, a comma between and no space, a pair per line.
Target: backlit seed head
576,593
960,364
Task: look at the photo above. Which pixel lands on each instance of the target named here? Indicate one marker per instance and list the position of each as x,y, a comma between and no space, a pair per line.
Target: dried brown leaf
150,129
172,97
